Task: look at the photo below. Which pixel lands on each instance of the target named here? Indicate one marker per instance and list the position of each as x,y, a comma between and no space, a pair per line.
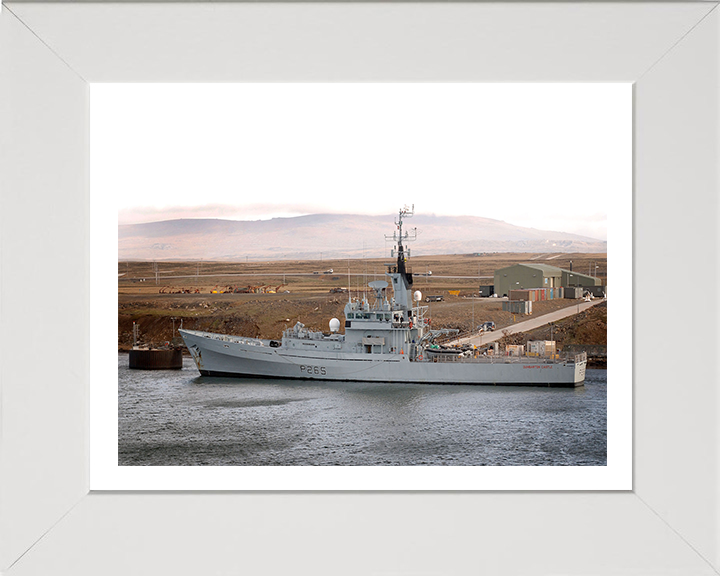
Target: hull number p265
313,370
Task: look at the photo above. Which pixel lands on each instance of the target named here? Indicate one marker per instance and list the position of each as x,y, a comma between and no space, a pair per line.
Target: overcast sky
545,156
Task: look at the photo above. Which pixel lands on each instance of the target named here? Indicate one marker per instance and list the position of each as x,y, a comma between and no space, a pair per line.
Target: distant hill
334,236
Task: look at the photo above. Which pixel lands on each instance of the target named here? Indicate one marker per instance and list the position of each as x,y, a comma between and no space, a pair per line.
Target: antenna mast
349,286
398,235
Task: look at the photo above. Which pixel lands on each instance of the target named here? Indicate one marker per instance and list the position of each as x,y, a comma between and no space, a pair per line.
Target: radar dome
417,296
334,325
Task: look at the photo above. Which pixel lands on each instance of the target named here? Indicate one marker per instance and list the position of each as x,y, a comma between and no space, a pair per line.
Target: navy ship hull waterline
388,340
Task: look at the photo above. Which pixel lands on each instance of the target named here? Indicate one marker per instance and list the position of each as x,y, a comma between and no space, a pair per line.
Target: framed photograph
305,178
54,513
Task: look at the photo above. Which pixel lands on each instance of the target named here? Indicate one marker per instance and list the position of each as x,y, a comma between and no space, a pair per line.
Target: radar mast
398,237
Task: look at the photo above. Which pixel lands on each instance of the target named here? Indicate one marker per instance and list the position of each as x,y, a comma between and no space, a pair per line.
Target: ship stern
580,367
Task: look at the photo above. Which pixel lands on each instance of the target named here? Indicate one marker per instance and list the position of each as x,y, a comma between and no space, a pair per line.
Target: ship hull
216,355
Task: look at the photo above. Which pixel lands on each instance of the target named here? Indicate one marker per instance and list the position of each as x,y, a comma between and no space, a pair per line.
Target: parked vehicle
434,298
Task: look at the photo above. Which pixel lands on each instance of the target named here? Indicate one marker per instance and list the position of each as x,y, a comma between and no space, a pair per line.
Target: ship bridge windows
376,316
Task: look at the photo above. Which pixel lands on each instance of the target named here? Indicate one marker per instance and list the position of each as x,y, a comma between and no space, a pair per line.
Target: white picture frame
50,523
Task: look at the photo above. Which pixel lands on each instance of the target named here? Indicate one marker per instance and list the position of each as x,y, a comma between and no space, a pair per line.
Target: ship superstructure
387,338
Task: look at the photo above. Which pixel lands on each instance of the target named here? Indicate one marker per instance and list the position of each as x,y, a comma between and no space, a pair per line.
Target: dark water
177,417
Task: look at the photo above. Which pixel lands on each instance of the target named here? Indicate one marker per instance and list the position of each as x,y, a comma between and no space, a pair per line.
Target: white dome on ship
417,296
334,325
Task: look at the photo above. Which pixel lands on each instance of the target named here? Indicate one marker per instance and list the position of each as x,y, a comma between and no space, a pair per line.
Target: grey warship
388,339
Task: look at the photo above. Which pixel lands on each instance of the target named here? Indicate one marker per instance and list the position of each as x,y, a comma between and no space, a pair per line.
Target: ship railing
303,334
236,339
492,359
420,313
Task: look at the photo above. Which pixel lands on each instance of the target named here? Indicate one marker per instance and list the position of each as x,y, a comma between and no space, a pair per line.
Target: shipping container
515,350
574,292
517,306
487,291
597,291
541,348
537,294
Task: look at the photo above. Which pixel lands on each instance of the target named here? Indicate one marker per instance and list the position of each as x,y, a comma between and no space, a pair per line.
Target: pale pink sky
546,156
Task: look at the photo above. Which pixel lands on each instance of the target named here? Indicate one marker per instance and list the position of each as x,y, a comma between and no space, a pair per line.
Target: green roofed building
577,279
520,276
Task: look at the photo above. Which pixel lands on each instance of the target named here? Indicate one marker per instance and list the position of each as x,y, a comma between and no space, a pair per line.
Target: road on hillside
486,337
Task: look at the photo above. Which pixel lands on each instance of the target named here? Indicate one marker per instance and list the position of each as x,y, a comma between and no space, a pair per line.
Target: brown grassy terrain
304,296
